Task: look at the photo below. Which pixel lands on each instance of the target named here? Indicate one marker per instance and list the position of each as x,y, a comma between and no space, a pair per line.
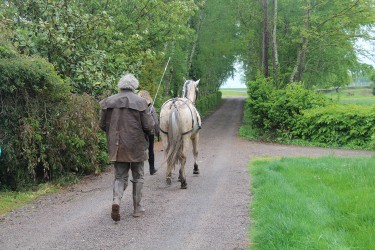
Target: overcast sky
238,80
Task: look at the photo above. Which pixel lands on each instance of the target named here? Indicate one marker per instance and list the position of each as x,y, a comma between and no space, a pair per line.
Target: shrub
338,125
45,132
274,111
207,103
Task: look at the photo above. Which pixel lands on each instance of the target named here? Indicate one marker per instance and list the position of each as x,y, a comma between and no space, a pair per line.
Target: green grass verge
226,93
10,200
313,203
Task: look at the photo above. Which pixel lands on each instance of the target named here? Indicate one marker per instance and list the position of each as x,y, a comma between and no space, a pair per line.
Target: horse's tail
175,142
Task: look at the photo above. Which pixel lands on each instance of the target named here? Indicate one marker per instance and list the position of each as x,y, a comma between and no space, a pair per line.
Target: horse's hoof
196,171
184,185
169,181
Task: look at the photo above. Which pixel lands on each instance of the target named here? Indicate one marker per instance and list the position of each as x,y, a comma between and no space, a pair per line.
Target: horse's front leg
195,140
182,175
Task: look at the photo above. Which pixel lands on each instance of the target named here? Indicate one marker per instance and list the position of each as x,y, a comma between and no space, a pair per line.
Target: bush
45,132
207,103
338,125
274,111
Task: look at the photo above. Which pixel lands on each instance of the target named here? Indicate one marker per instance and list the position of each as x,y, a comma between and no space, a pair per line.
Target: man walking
127,121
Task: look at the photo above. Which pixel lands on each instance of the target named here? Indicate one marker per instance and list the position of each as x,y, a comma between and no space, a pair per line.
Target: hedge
338,125
273,111
207,103
45,131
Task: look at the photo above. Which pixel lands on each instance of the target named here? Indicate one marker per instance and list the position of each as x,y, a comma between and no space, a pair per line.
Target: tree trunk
192,52
275,58
300,66
265,39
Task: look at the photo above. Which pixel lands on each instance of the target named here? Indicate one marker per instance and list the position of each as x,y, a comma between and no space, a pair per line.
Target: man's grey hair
128,81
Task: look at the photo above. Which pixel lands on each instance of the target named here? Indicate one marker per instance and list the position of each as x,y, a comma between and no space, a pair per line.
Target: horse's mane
185,88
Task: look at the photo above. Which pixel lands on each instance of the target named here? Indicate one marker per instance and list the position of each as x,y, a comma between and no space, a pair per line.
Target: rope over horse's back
173,105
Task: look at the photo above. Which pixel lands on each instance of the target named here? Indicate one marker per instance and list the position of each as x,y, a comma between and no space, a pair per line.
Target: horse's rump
180,123
177,119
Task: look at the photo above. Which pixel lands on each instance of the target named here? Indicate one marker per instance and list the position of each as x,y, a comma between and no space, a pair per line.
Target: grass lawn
313,203
233,92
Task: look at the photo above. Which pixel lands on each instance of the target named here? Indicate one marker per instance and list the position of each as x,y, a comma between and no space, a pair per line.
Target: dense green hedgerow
296,114
206,103
338,125
274,111
45,131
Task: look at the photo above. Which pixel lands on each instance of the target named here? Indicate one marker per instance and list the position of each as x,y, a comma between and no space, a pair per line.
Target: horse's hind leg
169,175
182,175
195,140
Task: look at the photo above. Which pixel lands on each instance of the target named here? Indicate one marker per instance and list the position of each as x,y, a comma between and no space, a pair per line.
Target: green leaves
338,125
316,38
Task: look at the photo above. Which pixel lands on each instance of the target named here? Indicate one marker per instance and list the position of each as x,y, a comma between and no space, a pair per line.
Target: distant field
233,92
360,96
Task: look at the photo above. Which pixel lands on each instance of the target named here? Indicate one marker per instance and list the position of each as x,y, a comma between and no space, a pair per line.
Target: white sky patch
238,79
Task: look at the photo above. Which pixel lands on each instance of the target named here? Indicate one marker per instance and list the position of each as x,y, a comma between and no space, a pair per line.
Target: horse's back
187,113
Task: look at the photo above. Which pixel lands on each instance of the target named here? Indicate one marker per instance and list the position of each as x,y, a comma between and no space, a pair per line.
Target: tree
217,45
315,39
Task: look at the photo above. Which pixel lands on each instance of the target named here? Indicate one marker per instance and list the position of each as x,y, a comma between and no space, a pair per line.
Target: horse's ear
197,82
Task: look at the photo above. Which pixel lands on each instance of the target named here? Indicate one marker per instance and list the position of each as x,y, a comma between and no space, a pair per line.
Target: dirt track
211,214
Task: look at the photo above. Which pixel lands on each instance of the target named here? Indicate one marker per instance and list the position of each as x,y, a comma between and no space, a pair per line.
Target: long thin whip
153,101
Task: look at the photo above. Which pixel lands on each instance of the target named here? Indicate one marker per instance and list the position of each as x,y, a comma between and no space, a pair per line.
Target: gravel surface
212,213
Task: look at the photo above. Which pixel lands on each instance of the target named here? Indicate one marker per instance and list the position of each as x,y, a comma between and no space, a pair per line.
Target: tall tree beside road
92,43
315,39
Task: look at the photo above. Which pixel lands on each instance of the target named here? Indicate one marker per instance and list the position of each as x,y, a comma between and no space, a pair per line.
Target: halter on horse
179,122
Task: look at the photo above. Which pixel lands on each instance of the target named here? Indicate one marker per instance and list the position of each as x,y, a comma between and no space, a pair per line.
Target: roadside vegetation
59,58
297,115
10,200
312,203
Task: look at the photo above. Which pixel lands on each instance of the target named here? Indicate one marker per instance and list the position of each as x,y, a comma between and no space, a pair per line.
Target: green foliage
315,38
35,76
295,113
206,103
304,203
92,43
338,125
45,132
216,44
7,51
274,111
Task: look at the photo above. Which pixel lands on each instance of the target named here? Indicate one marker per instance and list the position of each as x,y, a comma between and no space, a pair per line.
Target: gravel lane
212,213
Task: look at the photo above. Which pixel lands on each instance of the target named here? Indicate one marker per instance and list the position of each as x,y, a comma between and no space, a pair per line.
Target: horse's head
190,90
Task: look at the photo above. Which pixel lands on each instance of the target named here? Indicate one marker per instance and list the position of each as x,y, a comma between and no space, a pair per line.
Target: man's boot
118,190
137,196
